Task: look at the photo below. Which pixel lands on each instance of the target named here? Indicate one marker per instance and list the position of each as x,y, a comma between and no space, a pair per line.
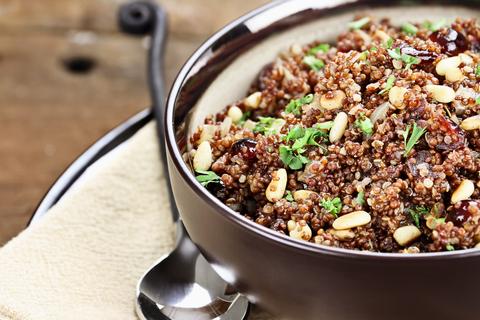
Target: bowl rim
233,216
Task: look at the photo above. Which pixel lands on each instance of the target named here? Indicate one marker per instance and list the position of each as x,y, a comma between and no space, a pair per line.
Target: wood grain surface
67,76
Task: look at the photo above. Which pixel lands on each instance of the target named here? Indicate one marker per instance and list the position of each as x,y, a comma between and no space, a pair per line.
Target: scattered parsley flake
410,142
395,53
409,29
440,220
364,124
449,247
372,49
388,85
269,126
358,24
407,59
333,206
323,47
207,177
389,43
324,125
288,196
295,105
360,199
292,156
477,100
244,118
418,212
477,70
434,26
314,63
291,159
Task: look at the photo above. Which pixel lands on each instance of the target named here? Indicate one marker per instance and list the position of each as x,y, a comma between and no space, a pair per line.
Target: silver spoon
183,285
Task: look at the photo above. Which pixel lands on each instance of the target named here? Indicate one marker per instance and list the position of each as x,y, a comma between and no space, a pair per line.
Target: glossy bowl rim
233,216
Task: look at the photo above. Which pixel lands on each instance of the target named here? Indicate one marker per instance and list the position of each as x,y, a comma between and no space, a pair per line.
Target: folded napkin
83,259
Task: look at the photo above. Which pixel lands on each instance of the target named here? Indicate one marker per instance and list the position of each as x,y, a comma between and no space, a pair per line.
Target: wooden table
67,76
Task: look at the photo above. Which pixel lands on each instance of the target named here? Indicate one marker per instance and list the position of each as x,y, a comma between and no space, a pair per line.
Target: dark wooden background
50,113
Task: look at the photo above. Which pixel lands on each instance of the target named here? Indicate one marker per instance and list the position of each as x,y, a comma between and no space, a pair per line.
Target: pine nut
396,96
208,132
454,75
397,64
352,220
477,246
338,127
446,64
253,100
463,191
300,230
343,234
471,123
335,102
466,59
235,113
203,157
225,126
296,49
277,186
442,94
249,124
302,194
381,35
405,235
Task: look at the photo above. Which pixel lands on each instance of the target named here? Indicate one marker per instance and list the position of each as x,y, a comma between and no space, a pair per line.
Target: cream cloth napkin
83,259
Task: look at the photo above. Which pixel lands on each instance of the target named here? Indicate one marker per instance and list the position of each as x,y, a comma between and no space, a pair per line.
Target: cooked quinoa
369,144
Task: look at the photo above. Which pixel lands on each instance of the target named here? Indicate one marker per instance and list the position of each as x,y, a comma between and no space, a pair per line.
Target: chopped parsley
388,85
450,247
292,156
372,49
295,105
314,63
323,47
389,43
333,206
434,26
269,126
244,118
477,70
288,196
418,212
360,199
409,29
291,159
477,100
412,140
358,24
407,59
207,177
364,124
324,125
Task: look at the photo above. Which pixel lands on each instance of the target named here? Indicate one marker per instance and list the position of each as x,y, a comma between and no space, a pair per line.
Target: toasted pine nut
302,194
208,132
463,191
405,235
381,35
466,59
291,225
225,126
343,234
203,157
300,231
253,100
471,123
338,127
296,49
440,93
396,96
277,186
249,124
446,64
397,64
333,103
352,220
454,75
235,113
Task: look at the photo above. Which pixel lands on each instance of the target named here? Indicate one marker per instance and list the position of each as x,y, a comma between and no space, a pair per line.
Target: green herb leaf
477,100
388,85
314,63
295,105
323,47
389,43
308,139
290,159
207,177
324,125
409,29
288,196
244,118
372,49
410,142
360,199
358,24
364,124
295,133
333,206
449,247
407,59
395,53
269,126
440,220
418,212
477,71
434,26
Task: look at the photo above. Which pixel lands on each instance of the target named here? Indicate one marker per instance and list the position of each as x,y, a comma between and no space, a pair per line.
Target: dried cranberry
246,147
452,130
459,213
426,57
451,41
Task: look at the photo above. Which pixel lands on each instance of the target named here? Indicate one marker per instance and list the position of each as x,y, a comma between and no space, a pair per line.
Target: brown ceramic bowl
292,278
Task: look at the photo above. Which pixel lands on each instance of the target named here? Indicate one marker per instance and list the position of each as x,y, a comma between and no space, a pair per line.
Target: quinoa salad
370,143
